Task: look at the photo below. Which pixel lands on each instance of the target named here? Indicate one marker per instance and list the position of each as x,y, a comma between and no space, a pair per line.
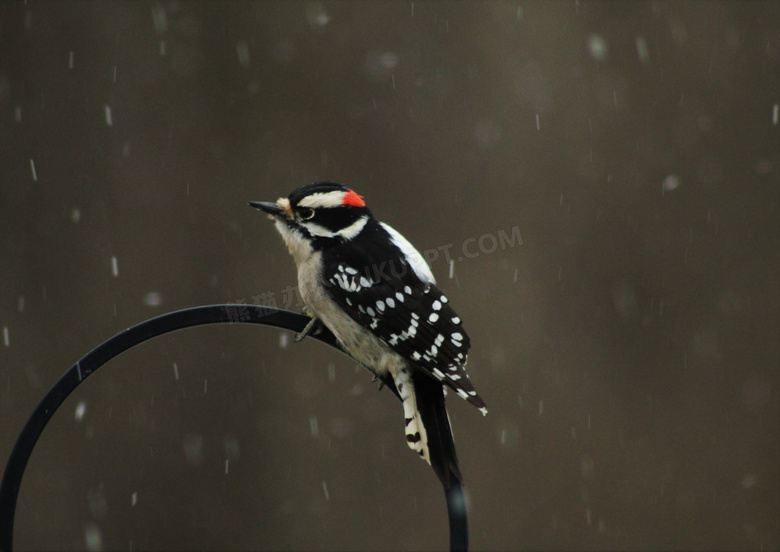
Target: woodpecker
374,291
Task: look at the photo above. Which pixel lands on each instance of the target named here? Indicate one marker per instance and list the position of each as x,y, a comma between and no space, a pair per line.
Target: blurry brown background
627,349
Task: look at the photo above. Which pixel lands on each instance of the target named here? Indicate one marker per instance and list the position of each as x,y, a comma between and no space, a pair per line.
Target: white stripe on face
353,229
318,230
347,233
324,199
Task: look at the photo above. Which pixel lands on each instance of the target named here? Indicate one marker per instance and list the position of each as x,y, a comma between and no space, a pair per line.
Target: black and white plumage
367,284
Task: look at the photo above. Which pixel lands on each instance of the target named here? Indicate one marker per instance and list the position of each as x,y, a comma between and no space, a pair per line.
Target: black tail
433,413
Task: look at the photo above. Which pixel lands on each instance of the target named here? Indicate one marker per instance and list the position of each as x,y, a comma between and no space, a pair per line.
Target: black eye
305,213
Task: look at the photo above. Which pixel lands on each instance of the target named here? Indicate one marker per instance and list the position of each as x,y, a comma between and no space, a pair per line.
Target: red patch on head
351,198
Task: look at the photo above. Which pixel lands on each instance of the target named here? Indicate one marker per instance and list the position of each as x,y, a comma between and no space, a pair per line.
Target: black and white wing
412,316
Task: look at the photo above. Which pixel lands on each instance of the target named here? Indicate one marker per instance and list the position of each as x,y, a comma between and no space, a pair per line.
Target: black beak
270,208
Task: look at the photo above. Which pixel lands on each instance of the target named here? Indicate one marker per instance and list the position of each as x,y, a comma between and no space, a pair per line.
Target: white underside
364,346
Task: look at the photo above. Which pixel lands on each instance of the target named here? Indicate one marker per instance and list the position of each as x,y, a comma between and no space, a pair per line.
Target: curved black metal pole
196,316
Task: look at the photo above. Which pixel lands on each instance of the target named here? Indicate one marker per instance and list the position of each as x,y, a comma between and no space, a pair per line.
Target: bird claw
313,327
381,383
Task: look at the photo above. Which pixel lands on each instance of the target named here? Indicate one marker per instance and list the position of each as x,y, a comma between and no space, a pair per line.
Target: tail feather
428,430
416,434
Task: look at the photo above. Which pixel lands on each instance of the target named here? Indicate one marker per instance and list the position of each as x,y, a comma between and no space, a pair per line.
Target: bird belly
358,341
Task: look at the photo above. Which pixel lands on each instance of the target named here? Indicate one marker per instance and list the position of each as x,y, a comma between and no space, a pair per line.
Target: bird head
320,210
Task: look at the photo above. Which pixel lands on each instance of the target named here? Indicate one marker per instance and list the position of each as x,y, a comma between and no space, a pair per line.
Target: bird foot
313,327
